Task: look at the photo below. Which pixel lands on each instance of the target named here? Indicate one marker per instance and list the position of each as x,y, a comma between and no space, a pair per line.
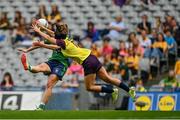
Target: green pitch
88,115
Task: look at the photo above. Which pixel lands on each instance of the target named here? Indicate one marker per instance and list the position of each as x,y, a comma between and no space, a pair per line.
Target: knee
51,81
49,85
107,78
42,68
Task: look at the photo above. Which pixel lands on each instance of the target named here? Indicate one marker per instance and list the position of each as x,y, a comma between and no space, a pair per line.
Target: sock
106,89
29,67
124,87
42,105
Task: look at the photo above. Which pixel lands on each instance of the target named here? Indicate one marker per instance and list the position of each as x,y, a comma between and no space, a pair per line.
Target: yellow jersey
134,60
177,68
162,45
75,52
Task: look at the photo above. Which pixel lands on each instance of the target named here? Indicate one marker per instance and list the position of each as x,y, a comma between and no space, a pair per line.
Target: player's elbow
89,88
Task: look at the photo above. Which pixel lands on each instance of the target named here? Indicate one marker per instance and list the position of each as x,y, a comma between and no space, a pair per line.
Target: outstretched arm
40,44
47,37
28,49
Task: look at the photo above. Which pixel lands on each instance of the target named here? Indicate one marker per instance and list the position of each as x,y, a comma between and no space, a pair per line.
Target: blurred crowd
150,47
21,30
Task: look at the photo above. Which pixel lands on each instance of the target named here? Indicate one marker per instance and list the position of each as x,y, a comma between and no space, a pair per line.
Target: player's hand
22,50
35,28
39,25
34,21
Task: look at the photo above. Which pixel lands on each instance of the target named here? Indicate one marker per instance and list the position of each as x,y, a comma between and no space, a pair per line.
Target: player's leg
52,80
91,66
102,74
90,83
44,67
57,72
91,86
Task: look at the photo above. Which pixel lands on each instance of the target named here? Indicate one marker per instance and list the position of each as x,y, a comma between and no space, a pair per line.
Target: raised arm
50,32
44,35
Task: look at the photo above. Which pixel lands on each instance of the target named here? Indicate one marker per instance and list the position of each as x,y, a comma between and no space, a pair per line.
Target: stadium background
129,63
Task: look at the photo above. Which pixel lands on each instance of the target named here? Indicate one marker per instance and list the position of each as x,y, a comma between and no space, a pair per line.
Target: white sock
42,103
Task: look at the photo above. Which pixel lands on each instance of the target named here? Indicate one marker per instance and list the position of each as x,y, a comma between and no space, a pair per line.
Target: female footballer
83,56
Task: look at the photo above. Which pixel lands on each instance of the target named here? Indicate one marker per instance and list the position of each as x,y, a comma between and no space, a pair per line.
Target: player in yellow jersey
83,56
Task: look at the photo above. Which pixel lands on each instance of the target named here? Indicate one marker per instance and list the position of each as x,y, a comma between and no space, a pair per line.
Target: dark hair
90,23
44,11
106,39
167,30
161,35
18,19
5,18
131,33
10,79
54,13
61,31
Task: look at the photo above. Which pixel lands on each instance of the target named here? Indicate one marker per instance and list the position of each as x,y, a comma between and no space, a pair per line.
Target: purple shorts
91,65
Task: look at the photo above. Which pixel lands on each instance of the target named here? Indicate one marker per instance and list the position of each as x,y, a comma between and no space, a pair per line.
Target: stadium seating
76,13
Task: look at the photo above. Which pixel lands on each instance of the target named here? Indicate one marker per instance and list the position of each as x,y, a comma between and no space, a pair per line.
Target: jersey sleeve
61,43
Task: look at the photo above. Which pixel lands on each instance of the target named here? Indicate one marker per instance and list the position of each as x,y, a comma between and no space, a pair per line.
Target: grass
93,114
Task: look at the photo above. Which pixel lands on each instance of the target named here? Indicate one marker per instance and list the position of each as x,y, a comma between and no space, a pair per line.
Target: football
43,22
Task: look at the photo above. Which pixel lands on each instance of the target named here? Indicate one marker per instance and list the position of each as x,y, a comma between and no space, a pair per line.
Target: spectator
111,62
132,61
7,82
159,48
91,33
115,60
177,73
140,86
4,22
170,41
121,2
117,28
55,15
176,33
20,34
160,45
75,68
144,25
42,12
138,48
107,48
95,51
107,63
131,38
177,68
153,36
18,19
158,25
122,49
123,69
145,42
169,83
167,23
